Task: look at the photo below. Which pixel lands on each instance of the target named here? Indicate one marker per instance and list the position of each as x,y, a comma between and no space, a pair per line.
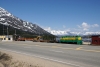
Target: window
4,38
8,38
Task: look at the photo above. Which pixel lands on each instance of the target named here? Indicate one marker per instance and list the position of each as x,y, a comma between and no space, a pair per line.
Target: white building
6,38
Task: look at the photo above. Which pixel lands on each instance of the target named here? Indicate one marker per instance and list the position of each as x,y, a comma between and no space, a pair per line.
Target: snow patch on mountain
68,32
7,18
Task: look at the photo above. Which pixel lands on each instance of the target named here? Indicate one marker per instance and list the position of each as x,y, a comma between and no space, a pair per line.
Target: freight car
71,39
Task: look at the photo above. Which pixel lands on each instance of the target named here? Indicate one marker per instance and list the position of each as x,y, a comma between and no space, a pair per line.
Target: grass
6,61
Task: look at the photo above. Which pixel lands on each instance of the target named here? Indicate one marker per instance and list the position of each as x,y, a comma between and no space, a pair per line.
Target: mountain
9,20
69,33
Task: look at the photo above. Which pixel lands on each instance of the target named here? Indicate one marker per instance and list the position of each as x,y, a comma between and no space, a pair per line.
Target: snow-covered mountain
8,19
59,32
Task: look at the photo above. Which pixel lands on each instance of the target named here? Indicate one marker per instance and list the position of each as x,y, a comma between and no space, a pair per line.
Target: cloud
83,29
86,27
69,32
95,25
47,28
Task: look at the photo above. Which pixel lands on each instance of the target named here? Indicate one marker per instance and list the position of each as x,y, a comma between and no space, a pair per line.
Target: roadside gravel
33,60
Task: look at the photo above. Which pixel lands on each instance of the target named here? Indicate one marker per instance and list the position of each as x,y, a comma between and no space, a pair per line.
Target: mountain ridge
8,19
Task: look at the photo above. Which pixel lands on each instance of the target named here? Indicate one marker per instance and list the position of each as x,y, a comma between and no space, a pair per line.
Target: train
62,39
69,39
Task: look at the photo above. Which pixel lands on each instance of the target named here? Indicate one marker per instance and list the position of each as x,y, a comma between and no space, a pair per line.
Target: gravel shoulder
33,60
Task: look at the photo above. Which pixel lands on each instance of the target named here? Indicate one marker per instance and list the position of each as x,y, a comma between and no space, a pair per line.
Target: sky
57,15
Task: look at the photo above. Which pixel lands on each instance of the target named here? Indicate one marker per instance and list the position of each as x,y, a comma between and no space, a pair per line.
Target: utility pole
39,31
39,34
3,29
15,31
7,31
88,40
15,34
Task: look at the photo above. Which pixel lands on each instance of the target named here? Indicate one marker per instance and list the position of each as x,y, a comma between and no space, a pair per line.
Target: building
86,40
6,38
96,40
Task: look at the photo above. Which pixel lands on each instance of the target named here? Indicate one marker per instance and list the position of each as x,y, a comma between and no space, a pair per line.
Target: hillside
22,28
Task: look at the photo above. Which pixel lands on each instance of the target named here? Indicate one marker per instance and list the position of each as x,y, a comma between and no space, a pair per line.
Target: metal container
96,40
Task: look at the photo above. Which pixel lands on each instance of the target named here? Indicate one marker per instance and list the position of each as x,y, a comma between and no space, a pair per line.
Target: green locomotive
71,39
